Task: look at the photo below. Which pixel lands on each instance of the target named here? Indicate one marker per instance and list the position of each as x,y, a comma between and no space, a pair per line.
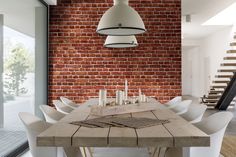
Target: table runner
131,122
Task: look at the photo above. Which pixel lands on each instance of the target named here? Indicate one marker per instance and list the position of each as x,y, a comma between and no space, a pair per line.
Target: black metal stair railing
228,94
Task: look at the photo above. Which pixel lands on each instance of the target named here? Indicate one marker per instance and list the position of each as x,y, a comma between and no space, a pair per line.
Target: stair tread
213,96
210,104
231,51
209,99
233,44
219,86
229,58
228,64
221,81
224,76
216,91
226,70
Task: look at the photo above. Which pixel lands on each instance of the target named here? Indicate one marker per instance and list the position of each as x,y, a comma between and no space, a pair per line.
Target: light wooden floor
229,146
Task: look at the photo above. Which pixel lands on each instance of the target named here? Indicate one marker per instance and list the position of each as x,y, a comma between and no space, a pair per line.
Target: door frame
1,72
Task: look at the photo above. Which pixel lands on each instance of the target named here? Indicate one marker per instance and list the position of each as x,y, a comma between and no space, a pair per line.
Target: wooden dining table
176,133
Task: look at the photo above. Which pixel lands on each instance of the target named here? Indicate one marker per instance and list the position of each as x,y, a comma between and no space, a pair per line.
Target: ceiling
201,11
20,15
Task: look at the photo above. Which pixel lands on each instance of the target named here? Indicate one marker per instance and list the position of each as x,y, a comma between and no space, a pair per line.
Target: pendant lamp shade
121,20
120,41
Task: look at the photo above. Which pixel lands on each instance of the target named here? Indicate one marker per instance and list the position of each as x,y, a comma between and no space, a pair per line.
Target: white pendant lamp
121,20
120,41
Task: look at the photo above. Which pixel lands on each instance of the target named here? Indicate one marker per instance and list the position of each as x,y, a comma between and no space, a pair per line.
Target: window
23,60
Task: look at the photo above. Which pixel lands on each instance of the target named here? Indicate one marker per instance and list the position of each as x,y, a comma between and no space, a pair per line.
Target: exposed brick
79,65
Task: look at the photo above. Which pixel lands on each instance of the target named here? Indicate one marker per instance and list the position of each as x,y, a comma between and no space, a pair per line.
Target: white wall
190,71
207,55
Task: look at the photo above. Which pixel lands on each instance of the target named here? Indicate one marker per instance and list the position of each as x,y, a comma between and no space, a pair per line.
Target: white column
1,72
40,58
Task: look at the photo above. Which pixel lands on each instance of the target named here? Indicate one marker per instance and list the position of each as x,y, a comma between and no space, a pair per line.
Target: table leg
186,152
72,152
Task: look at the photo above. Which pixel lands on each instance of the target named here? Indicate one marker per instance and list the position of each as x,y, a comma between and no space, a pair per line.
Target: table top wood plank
184,133
122,136
90,137
153,136
58,134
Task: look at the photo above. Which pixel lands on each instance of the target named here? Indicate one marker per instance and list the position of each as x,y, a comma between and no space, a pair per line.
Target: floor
13,134
231,130
9,140
228,146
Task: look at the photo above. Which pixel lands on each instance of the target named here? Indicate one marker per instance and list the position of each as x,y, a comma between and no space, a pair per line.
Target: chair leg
173,151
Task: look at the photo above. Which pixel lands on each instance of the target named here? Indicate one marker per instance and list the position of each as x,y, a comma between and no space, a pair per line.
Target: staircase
219,84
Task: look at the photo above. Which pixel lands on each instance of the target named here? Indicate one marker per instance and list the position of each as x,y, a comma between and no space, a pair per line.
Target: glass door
23,62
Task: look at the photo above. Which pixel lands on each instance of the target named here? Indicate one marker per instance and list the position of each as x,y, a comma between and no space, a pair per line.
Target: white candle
139,95
117,97
105,97
102,97
143,98
120,97
126,89
100,101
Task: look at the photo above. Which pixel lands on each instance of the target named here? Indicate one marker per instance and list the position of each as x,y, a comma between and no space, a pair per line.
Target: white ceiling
201,11
20,15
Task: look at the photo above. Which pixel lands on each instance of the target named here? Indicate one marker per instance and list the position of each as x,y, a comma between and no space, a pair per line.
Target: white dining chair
195,113
50,114
53,116
215,126
61,107
34,126
68,102
181,107
174,101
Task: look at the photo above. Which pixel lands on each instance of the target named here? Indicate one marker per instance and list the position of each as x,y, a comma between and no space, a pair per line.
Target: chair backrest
215,122
34,126
215,126
174,101
181,107
194,113
68,102
62,107
51,115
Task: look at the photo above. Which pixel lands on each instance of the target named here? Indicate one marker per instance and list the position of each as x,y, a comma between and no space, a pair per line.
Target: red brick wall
79,65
